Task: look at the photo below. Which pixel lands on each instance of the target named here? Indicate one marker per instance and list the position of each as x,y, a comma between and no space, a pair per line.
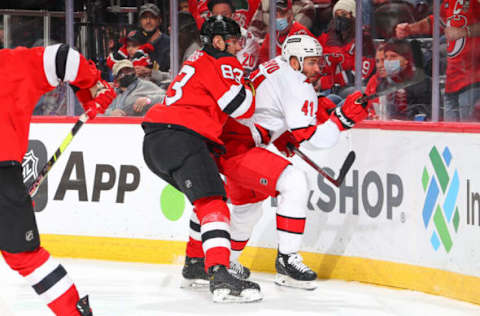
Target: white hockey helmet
301,46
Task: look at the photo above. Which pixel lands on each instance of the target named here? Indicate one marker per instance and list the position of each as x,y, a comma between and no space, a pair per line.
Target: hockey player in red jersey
460,21
26,74
182,135
286,111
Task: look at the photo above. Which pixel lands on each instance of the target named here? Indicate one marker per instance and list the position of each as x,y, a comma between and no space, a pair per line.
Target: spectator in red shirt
460,22
286,26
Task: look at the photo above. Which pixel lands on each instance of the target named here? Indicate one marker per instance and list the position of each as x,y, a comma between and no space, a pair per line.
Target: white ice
133,289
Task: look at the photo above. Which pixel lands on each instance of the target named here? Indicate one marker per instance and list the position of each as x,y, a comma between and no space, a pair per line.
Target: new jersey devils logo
455,47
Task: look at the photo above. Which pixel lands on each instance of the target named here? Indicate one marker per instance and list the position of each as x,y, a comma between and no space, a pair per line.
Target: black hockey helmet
219,25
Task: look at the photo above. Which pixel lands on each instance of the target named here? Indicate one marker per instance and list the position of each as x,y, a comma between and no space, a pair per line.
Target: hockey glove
282,141
350,113
104,95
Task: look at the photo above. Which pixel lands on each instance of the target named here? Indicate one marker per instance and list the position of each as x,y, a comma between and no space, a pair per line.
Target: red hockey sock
194,244
214,217
48,278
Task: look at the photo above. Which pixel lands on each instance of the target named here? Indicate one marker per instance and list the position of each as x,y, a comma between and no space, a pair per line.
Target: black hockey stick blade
42,175
347,164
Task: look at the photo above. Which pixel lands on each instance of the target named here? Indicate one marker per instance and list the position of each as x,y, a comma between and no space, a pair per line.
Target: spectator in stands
462,31
134,95
339,51
303,12
286,26
398,65
183,6
136,49
248,55
188,35
55,102
149,16
241,11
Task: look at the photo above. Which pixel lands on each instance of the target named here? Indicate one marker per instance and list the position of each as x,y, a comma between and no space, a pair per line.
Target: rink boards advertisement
407,214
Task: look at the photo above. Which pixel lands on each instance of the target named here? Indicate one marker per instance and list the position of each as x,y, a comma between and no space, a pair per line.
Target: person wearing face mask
339,44
285,26
397,59
134,95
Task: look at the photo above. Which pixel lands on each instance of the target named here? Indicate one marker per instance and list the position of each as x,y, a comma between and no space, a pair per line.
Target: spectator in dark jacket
149,17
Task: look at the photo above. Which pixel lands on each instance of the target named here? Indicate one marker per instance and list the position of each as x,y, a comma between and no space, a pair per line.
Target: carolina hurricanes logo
455,47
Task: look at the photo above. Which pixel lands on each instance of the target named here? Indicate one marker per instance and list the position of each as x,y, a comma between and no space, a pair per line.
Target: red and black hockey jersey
208,89
463,64
25,75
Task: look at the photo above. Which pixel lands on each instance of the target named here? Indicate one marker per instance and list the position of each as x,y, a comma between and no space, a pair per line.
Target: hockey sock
244,217
194,244
214,219
48,278
291,214
237,248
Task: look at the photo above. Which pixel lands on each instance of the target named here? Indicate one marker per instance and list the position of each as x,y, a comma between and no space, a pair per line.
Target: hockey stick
32,190
347,164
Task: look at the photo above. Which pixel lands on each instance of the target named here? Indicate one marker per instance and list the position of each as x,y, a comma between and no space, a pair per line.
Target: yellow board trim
399,275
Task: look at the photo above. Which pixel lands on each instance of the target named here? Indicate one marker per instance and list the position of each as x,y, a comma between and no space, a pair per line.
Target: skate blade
194,284
284,280
246,296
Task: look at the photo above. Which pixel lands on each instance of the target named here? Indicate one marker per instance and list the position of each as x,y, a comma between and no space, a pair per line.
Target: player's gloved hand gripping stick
352,112
104,95
42,175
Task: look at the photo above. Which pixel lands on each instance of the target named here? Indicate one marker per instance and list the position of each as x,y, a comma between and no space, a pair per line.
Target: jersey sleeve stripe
73,62
49,60
228,97
50,64
240,103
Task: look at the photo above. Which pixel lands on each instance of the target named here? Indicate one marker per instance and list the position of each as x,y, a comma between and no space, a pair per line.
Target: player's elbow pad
326,135
60,63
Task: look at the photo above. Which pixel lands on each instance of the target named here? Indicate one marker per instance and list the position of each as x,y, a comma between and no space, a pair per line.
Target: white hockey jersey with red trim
285,100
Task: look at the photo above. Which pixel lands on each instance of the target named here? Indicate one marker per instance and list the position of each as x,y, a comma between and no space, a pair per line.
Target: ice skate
83,306
238,270
292,272
228,289
193,272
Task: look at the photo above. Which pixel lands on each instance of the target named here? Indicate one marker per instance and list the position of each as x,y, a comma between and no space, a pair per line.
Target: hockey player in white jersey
286,111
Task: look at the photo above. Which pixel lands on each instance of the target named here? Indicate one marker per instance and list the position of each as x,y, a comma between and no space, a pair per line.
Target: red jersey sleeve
77,71
227,88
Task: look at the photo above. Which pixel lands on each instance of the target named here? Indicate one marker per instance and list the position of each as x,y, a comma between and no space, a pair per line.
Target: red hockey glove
325,83
104,94
325,108
282,141
350,113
